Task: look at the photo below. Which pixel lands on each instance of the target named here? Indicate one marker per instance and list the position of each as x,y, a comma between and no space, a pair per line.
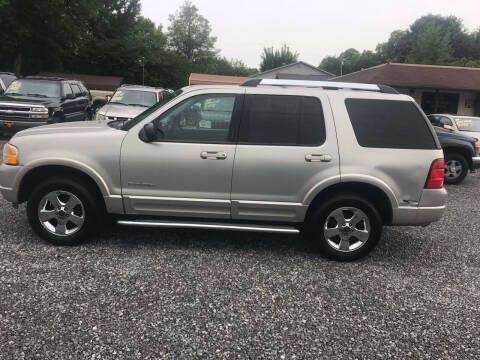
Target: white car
128,101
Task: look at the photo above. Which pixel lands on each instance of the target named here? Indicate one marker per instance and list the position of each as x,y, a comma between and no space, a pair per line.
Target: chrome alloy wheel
453,169
61,213
347,229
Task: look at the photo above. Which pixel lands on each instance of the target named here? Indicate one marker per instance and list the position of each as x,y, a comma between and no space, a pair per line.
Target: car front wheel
62,211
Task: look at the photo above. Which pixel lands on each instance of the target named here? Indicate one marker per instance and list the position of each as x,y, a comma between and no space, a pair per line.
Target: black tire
450,177
90,209
316,221
56,119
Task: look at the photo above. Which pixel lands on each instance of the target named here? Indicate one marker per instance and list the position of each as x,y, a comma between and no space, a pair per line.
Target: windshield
134,97
35,88
468,124
166,99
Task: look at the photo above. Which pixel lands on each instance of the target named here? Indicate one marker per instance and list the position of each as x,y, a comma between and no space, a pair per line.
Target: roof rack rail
328,85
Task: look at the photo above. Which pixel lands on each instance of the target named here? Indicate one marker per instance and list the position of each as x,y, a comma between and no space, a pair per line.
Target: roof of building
96,82
207,79
417,76
320,71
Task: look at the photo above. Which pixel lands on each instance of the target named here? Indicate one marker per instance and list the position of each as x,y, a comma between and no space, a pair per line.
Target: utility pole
341,66
142,60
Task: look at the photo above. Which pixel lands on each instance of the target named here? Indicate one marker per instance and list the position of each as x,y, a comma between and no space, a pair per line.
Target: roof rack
327,85
51,78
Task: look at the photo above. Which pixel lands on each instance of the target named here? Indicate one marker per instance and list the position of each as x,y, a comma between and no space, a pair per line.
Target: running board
204,225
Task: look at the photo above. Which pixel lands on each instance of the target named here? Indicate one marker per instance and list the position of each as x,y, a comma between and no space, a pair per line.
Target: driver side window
202,118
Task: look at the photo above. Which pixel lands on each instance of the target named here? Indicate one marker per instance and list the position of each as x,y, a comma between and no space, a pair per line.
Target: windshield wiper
118,103
142,105
37,95
13,94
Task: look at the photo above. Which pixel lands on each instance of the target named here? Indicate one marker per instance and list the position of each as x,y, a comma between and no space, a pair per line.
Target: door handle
213,155
318,158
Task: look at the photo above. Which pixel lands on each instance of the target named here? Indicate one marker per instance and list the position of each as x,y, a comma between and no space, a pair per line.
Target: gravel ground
150,294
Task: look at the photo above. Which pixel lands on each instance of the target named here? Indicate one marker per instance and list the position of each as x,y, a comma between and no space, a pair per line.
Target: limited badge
8,124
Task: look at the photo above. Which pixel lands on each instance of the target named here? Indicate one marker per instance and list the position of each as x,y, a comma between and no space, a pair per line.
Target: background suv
34,101
458,137
336,161
130,100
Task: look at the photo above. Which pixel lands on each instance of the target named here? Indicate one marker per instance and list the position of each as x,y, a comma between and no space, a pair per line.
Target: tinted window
67,89
282,120
202,118
76,90
389,124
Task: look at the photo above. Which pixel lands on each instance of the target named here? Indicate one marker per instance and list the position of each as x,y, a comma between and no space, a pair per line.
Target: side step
205,225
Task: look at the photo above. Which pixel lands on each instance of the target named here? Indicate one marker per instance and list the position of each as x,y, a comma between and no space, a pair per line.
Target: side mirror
149,133
107,98
449,127
70,96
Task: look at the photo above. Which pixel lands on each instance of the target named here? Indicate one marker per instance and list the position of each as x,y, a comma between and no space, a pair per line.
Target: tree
273,58
397,48
431,47
189,34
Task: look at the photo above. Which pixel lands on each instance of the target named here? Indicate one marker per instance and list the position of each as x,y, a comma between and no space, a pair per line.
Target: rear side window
282,120
389,124
76,90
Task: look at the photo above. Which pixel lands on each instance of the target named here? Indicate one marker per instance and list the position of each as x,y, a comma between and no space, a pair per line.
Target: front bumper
13,126
8,176
475,163
430,209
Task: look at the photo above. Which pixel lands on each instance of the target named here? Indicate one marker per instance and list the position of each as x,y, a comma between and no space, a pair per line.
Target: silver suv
129,101
335,161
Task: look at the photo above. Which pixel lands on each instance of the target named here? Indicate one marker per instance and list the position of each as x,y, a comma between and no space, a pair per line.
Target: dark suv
33,101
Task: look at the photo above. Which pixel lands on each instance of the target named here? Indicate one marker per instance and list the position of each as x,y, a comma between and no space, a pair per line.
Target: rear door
69,105
80,103
287,144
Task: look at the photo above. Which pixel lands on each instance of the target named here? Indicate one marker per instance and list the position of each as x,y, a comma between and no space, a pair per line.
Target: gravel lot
136,293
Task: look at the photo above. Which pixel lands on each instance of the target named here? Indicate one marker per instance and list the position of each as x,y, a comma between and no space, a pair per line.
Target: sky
313,28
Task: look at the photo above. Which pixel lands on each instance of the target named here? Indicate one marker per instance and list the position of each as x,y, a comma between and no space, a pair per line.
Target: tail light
436,174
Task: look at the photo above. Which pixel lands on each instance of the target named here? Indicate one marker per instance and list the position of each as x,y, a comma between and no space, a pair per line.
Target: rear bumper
13,126
430,209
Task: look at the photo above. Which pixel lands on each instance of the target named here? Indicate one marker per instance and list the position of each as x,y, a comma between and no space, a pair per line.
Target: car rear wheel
456,168
62,211
345,228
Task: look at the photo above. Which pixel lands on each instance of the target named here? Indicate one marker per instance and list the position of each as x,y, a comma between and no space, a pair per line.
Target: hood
121,111
475,134
28,100
451,135
77,127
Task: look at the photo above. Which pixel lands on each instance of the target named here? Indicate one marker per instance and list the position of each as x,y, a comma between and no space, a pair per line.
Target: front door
187,171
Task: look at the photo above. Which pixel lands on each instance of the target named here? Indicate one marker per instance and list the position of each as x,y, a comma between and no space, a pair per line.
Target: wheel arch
382,201
460,151
31,178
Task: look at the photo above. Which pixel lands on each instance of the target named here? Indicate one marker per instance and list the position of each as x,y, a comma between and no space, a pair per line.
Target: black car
34,101
6,79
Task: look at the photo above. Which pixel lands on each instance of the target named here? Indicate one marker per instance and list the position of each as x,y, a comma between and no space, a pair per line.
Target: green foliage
273,58
431,39
189,34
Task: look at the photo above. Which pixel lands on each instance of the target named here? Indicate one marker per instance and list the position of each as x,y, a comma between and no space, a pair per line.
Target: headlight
10,154
100,117
42,110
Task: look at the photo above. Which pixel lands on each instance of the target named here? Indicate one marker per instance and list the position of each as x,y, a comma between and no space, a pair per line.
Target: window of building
437,102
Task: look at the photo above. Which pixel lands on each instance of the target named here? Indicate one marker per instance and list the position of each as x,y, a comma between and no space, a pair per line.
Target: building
437,89
297,71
